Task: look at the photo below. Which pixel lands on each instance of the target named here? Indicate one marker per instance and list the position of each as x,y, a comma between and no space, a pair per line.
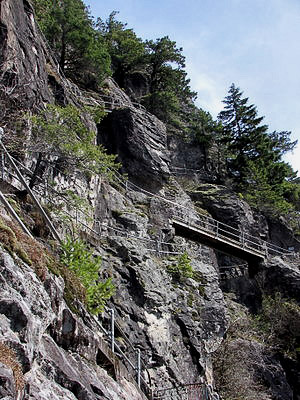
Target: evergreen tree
247,139
254,156
169,88
243,134
126,50
78,47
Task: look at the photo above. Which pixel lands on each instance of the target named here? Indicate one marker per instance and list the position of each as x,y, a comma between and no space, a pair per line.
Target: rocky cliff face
177,321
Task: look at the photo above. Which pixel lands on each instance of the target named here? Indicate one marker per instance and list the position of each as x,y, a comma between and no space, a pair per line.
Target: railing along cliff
137,366
192,391
203,222
220,230
217,229
181,214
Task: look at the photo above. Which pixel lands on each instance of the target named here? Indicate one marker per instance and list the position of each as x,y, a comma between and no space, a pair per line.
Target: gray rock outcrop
48,338
177,321
140,140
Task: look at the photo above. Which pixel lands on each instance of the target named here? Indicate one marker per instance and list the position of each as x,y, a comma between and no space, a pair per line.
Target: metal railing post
98,227
217,233
138,368
266,249
112,329
28,189
2,165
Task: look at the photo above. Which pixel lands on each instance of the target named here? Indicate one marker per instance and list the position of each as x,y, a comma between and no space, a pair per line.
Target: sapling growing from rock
79,259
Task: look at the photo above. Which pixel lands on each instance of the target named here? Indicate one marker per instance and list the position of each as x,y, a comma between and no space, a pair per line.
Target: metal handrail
203,390
211,222
117,231
24,183
207,223
220,229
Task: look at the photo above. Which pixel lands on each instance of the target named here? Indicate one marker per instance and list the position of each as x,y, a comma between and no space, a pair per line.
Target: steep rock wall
177,322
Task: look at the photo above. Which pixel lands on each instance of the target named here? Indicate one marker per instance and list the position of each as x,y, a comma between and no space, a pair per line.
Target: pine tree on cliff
126,50
78,47
243,134
254,156
169,88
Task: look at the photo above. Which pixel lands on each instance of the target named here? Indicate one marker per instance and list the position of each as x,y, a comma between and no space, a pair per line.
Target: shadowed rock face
139,139
284,277
282,236
29,75
23,56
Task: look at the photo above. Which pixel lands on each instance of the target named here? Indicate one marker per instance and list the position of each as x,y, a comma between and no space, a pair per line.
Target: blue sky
253,43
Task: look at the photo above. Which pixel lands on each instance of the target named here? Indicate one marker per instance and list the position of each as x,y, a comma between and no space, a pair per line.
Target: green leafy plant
182,268
279,322
60,132
79,259
78,47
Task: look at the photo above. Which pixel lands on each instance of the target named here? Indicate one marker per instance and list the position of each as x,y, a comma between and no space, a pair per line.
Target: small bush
61,132
279,322
236,361
85,266
182,269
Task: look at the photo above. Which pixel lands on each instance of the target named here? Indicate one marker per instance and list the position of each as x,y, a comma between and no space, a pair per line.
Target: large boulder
139,140
283,275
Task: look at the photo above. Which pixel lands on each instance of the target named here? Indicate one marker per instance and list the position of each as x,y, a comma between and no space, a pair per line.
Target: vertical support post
2,165
158,246
243,239
112,329
45,187
266,249
217,233
138,368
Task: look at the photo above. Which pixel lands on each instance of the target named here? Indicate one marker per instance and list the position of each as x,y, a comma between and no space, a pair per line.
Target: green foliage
279,321
87,52
97,113
75,201
60,132
168,86
263,193
160,61
163,104
80,50
254,156
86,267
201,126
182,268
236,361
126,50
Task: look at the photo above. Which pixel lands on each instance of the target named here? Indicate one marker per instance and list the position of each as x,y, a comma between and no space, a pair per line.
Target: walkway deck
219,241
